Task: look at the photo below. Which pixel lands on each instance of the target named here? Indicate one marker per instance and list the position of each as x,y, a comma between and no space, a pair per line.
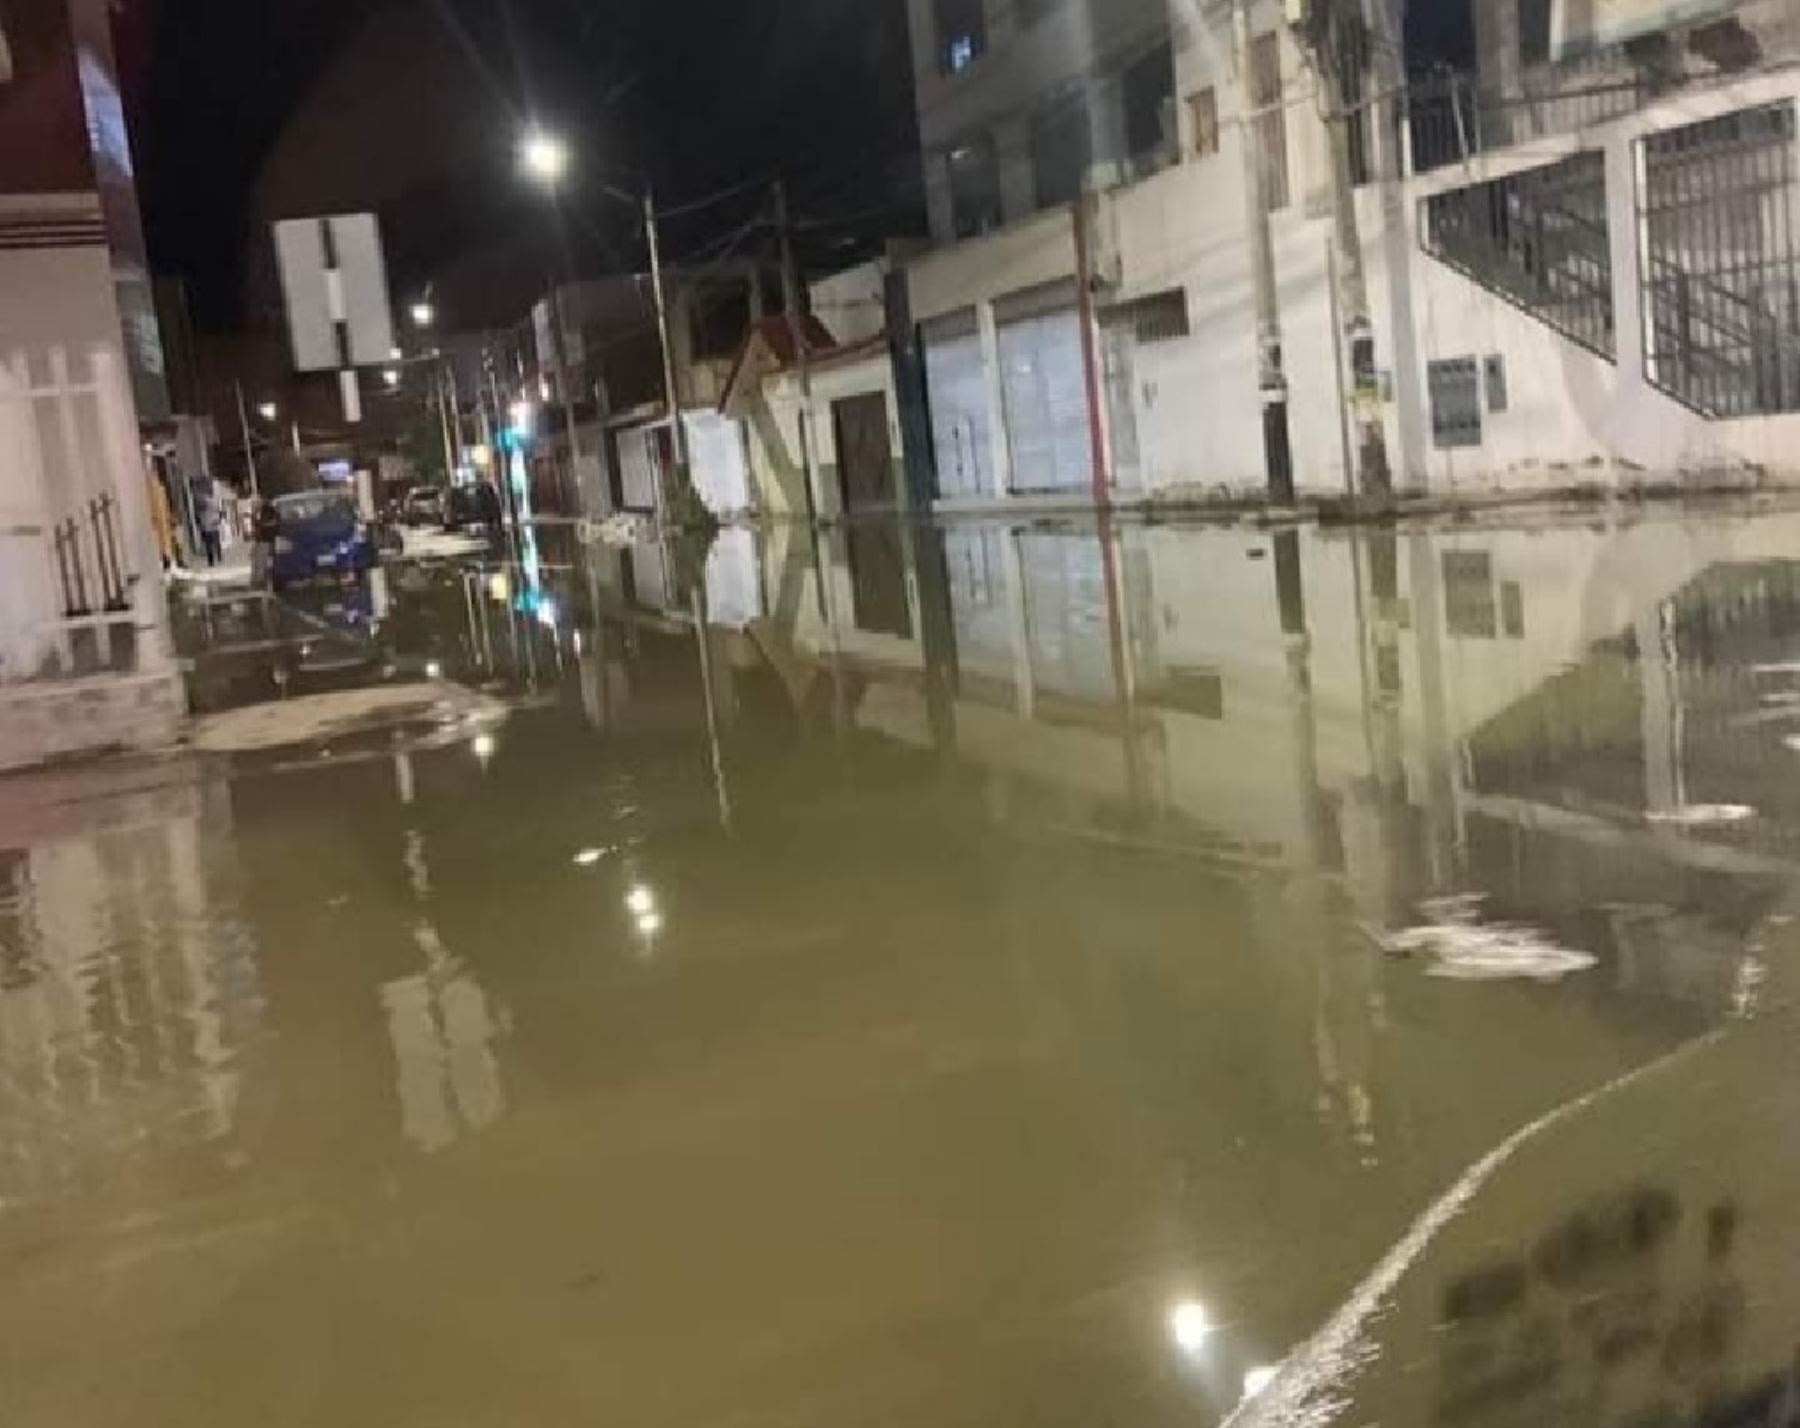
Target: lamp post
546,159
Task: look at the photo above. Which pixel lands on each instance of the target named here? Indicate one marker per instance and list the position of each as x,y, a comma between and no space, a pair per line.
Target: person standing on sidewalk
212,520
265,529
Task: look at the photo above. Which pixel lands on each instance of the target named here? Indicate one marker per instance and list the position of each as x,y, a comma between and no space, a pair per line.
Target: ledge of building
51,721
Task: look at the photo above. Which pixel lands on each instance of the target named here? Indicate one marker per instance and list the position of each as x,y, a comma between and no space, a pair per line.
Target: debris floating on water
1465,949
1703,815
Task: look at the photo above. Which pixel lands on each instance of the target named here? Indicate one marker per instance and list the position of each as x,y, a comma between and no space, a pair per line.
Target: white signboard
1578,26
334,279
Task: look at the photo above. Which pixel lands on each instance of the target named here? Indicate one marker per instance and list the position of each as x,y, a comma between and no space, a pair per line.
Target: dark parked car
423,506
472,508
319,534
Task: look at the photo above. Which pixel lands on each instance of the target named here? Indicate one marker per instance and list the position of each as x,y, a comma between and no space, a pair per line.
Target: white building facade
1579,262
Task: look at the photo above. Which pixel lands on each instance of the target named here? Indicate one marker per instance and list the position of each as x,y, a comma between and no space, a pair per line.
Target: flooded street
969,975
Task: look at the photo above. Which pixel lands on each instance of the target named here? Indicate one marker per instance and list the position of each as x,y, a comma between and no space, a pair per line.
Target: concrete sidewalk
232,573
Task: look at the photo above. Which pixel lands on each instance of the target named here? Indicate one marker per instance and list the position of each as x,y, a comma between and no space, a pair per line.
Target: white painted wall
853,304
63,370
772,432
1573,417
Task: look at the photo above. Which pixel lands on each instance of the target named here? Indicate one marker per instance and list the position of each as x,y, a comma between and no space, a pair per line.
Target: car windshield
313,506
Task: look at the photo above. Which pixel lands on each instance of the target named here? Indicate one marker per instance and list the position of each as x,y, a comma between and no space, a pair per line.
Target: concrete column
1660,678
1106,116
1019,625
996,392
1018,175
938,209
1625,237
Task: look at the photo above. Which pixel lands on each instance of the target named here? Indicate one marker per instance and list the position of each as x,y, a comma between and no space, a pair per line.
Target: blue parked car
319,534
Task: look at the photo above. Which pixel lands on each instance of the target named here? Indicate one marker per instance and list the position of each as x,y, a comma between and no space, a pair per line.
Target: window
1270,118
1534,31
1722,262
1062,147
1150,107
1200,692
974,188
1469,608
1494,374
1160,317
1203,107
1540,238
1455,389
961,33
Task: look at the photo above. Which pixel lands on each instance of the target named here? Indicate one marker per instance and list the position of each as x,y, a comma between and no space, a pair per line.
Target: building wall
1076,49
1572,418
772,434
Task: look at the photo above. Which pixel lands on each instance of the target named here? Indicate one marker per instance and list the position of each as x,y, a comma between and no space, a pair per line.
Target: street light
391,377
423,314
545,157
268,411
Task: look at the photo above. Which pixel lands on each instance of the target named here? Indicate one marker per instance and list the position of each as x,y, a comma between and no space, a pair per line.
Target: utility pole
1330,27
796,323
249,446
565,376
1098,454
443,406
1271,380
672,396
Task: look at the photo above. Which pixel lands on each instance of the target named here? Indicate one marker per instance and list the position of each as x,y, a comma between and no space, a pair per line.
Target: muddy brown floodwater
934,976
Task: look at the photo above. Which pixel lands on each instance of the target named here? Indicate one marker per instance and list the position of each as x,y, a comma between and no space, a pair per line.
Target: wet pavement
1030,975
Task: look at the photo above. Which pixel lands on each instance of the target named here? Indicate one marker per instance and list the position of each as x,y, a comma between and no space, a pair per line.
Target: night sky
249,111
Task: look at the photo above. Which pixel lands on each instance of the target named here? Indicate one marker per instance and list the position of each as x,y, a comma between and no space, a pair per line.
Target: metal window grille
1161,317
1204,106
1455,389
1721,225
1539,239
1494,371
1271,118
1470,612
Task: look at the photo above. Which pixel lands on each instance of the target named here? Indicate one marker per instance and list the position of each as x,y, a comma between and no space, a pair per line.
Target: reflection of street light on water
1190,1326
484,747
1259,1379
640,902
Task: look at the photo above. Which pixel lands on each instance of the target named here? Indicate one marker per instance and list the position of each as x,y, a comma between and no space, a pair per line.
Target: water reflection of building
129,991
443,1032
1540,714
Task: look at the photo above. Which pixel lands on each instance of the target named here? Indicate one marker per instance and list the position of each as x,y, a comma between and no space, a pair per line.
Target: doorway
865,456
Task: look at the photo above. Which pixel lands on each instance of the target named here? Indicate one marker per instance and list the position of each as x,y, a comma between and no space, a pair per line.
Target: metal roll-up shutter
961,430
1045,386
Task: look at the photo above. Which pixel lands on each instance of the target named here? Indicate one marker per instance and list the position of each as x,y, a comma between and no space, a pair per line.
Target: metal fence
78,583
1721,219
1451,120
1540,239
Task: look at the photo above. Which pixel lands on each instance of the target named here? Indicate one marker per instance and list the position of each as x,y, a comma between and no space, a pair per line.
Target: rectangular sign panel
368,313
1579,26
334,281
300,254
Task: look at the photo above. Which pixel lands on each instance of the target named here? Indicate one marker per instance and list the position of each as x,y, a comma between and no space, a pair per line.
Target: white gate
961,427
80,587
1045,383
